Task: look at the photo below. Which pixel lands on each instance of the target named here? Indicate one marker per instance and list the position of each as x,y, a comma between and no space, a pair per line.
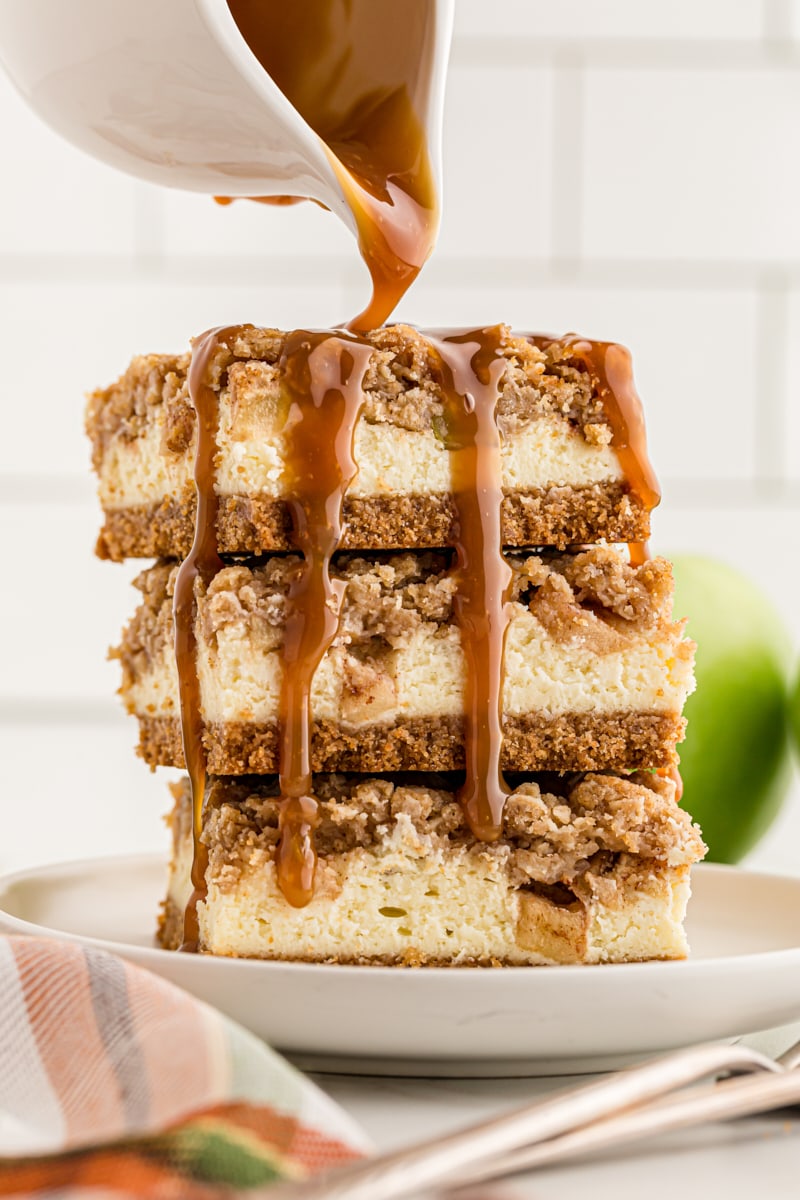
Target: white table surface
759,1158
750,1158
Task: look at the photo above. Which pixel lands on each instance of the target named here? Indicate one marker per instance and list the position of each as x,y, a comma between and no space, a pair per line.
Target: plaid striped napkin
114,1082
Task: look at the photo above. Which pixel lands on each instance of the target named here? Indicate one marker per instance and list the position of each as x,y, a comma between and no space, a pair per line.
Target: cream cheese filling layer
453,905
546,452
424,677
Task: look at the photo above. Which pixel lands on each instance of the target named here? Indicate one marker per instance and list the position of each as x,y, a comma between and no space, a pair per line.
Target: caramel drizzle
202,563
611,370
472,368
674,774
639,553
323,378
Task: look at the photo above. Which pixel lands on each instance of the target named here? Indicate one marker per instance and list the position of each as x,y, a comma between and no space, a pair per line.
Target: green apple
735,763
794,712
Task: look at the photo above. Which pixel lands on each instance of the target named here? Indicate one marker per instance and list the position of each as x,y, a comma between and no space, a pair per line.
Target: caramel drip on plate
352,69
472,367
323,378
611,370
201,564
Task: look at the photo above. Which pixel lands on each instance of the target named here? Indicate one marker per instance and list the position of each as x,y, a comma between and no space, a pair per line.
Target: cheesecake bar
596,669
563,481
590,868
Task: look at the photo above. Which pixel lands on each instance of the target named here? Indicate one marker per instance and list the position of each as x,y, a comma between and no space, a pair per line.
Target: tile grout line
566,163
184,270
771,51
149,230
769,386
29,488
69,710
702,495
178,269
777,28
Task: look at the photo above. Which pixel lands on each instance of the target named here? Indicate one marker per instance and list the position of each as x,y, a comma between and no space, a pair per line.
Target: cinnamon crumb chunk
601,576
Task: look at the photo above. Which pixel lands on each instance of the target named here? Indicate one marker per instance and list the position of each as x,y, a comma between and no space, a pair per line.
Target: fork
757,1093
634,1103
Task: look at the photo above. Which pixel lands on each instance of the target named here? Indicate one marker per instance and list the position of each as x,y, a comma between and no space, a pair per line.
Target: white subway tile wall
692,166
624,169
789,391
716,20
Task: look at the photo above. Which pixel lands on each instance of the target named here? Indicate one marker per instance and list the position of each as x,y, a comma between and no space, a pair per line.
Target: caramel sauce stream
201,564
351,69
323,378
472,367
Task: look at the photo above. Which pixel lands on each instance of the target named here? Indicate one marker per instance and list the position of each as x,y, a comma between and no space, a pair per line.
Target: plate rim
348,970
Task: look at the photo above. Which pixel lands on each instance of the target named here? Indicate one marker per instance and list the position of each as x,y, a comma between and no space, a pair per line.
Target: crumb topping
556,829
124,410
401,387
594,598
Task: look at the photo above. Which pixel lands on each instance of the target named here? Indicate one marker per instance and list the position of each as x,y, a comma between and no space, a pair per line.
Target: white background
628,170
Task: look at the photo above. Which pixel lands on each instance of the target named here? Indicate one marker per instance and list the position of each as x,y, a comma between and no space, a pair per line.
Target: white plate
743,976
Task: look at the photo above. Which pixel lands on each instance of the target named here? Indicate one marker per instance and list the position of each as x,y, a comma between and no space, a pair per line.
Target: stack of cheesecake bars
593,855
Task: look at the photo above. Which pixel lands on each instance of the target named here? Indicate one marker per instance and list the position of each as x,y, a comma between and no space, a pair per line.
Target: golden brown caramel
323,376
674,774
472,365
610,368
351,69
202,563
639,553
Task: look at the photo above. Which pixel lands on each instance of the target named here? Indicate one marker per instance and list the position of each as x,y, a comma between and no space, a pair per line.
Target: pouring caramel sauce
350,67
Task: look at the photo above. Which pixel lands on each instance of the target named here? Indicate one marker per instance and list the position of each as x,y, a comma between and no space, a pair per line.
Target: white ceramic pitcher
169,90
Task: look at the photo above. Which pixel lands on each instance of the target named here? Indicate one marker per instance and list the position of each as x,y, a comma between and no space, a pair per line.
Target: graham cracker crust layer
169,932
557,516
568,742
